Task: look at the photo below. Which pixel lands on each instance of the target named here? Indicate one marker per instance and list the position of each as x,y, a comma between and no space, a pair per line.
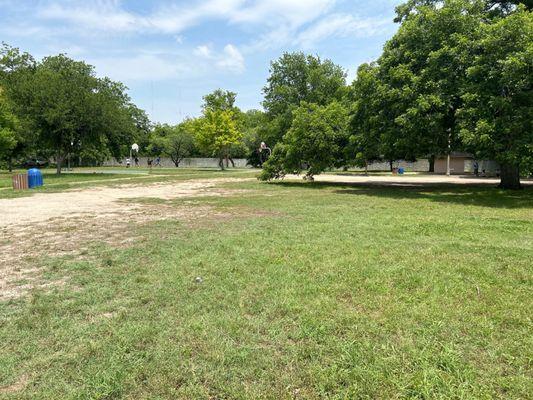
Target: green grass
309,291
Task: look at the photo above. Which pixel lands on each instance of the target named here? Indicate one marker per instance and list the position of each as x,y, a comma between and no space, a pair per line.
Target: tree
296,78
16,68
69,110
315,142
8,128
217,132
175,142
423,69
497,115
220,100
367,122
253,124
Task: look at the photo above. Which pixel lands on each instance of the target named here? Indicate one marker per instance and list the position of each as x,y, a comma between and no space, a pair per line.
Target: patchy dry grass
307,291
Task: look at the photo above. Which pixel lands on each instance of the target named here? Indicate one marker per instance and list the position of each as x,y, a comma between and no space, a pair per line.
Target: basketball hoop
265,147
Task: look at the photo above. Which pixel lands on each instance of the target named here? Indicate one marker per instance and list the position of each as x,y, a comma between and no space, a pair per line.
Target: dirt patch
408,180
67,224
43,206
19,385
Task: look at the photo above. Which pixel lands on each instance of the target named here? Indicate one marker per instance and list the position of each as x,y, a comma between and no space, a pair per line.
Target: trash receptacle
35,178
20,181
401,171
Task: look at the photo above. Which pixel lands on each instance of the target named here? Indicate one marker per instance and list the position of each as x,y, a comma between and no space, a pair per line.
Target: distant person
149,163
158,161
128,162
136,161
476,168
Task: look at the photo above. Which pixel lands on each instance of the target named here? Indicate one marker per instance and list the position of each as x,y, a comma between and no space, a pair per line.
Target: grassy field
307,291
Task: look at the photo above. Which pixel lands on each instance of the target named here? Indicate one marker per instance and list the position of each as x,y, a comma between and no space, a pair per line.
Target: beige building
463,163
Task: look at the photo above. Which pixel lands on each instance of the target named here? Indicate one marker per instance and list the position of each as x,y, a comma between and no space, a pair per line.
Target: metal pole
448,171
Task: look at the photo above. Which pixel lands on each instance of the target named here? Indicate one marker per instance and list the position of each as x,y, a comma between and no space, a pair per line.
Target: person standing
476,168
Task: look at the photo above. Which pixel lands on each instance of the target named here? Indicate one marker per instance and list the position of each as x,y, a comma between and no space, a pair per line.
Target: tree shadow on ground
481,195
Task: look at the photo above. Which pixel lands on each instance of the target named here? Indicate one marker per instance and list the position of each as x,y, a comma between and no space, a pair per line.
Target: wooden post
20,181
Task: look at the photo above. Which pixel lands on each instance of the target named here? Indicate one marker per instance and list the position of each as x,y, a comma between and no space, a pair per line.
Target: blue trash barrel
401,171
35,178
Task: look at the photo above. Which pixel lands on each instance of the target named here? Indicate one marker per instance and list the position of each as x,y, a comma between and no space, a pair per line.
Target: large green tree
217,132
497,116
315,142
64,109
16,68
8,127
423,70
296,78
369,122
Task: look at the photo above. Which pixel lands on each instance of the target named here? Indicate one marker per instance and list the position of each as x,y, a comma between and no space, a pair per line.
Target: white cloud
203,51
272,12
103,15
277,23
231,59
110,16
143,67
340,25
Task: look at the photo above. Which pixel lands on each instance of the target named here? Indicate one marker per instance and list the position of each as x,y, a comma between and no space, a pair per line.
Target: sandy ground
44,206
68,223
407,180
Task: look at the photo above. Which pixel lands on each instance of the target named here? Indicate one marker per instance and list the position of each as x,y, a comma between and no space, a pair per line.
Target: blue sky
171,53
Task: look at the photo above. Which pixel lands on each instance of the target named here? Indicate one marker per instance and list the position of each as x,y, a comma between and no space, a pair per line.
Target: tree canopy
175,142
455,77
497,116
296,78
64,108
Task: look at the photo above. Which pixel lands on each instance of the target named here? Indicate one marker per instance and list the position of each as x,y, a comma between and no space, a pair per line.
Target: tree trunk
510,177
390,165
221,163
431,163
10,164
59,160
232,162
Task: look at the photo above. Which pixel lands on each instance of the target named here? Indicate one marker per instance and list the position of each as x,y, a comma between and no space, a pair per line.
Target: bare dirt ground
408,180
43,206
66,223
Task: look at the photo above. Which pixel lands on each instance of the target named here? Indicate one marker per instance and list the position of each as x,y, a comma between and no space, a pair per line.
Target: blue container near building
35,178
401,171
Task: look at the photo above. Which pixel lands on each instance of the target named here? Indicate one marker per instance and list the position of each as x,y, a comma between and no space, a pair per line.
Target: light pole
69,152
448,171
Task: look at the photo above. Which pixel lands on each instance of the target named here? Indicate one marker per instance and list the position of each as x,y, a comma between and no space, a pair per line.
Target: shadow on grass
475,195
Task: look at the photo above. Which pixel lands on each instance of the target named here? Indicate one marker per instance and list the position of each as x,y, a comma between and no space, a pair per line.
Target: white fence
185,163
416,166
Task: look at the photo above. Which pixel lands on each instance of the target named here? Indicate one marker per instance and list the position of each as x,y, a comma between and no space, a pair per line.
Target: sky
170,53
